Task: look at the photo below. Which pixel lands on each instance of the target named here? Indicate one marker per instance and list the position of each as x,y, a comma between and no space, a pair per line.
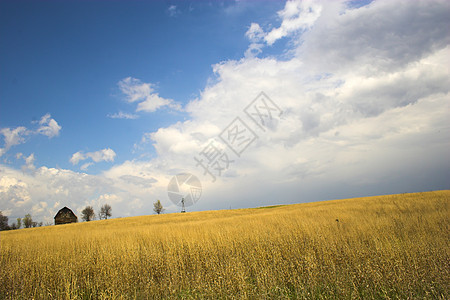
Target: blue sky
105,101
66,58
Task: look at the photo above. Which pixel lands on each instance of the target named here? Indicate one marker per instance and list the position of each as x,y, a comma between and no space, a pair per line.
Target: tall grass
389,247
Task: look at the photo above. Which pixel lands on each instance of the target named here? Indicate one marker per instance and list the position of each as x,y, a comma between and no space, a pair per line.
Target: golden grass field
385,247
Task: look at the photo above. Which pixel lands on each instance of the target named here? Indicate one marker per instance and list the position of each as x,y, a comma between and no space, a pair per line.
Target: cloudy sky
264,102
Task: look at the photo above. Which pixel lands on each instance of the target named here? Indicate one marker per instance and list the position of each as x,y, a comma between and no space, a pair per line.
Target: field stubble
394,246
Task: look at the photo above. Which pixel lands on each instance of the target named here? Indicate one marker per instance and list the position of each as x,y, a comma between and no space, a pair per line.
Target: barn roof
65,210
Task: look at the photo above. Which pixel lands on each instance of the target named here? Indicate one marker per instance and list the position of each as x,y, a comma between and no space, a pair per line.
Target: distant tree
87,214
19,223
14,226
3,222
27,221
40,224
105,211
157,207
34,224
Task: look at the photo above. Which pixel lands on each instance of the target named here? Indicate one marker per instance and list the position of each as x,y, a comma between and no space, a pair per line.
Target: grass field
392,247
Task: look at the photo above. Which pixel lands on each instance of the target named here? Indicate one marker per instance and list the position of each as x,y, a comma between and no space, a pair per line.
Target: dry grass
389,247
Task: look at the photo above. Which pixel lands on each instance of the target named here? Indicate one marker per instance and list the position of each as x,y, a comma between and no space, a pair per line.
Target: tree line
26,221
87,214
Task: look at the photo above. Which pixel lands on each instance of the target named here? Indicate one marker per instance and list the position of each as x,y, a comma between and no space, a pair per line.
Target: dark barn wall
65,220
65,216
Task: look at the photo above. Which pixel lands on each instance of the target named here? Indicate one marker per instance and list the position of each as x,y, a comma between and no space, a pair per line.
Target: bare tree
27,221
157,207
105,211
87,214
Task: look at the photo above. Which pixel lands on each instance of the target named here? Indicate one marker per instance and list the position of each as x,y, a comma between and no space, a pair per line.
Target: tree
3,222
19,223
27,221
105,212
157,207
87,214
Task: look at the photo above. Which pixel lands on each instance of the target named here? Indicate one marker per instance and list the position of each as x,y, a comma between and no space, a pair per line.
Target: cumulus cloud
29,161
106,154
255,33
102,155
46,190
39,208
13,192
48,126
346,118
12,137
145,96
77,157
392,34
296,17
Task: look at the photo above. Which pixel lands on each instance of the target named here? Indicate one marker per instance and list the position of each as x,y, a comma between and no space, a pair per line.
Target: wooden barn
65,216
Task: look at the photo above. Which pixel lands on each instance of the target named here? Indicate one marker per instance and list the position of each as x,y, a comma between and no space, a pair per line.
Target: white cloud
85,166
12,137
108,198
106,154
13,192
29,161
144,94
77,157
102,155
340,122
296,16
39,208
153,102
46,190
255,33
173,11
392,34
48,126
123,115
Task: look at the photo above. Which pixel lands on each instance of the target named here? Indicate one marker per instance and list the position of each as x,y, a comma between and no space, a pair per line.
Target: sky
227,104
